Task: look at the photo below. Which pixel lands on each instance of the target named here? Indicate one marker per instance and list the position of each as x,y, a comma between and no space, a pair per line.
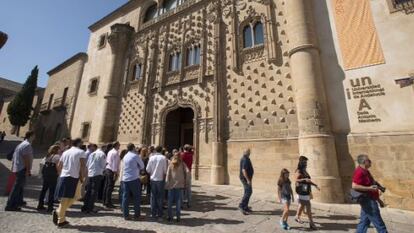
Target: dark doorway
179,128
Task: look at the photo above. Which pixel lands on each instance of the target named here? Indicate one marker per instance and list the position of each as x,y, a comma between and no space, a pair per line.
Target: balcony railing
60,104
44,108
405,5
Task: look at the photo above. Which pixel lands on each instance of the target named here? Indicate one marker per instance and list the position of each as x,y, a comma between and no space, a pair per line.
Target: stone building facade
60,97
271,75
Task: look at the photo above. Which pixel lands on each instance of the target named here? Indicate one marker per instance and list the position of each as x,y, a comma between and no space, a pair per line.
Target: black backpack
49,169
9,156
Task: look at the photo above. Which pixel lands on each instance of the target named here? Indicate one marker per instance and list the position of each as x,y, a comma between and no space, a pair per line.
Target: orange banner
357,34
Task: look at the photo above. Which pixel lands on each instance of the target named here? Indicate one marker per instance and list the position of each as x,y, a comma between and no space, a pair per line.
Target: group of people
69,165
363,184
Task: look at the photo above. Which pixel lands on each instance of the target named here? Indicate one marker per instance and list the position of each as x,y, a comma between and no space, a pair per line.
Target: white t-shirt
157,167
71,162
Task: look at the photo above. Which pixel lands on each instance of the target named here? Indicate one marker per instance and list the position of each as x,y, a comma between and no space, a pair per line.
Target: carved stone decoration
178,102
252,54
205,126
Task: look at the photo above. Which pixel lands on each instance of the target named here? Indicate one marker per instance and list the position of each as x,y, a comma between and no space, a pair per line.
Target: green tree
20,108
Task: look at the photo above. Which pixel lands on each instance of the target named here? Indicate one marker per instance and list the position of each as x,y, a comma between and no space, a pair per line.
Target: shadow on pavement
109,229
196,222
204,203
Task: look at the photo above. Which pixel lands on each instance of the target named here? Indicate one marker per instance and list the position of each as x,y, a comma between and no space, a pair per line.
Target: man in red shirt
363,181
187,157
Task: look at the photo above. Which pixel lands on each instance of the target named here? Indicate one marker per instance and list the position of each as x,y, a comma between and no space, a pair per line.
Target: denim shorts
286,201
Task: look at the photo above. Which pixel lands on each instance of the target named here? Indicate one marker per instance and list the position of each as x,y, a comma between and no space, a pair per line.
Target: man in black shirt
246,176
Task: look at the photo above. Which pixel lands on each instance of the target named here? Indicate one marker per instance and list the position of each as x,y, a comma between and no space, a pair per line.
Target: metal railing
405,5
60,103
44,108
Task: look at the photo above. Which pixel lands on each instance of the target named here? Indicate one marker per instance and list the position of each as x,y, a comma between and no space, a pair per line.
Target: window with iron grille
401,5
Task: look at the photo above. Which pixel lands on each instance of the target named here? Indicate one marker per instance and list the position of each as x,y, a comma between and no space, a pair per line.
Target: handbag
303,188
143,178
356,196
9,156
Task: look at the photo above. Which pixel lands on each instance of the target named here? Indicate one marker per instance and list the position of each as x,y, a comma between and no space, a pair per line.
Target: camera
380,187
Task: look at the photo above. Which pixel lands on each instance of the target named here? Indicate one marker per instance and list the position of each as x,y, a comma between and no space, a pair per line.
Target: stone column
315,137
219,144
119,40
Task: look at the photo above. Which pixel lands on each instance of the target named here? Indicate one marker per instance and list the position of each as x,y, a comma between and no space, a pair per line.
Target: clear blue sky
46,33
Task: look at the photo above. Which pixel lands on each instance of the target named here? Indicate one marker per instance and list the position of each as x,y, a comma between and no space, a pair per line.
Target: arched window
178,61
247,37
169,5
137,70
197,55
258,34
151,13
174,62
189,56
193,55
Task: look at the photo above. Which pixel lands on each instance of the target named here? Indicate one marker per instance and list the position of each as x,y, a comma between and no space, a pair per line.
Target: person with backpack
285,196
50,174
303,189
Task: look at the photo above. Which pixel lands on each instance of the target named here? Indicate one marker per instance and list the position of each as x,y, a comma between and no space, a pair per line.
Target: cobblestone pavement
214,209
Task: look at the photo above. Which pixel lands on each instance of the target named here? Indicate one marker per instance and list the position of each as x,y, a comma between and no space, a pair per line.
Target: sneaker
244,212
282,224
40,207
12,209
55,217
312,226
62,224
178,219
287,227
169,219
249,209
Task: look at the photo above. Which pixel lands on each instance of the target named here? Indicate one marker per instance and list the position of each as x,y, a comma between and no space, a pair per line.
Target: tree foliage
20,108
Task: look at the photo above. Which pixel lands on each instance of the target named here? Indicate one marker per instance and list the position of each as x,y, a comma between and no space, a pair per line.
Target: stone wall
392,164
90,107
268,157
55,123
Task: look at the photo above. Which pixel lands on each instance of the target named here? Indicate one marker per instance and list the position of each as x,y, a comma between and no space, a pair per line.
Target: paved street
214,210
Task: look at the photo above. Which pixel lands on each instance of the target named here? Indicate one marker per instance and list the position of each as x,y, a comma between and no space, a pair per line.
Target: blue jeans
187,191
133,187
370,213
174,195
247,194
157,197
16,195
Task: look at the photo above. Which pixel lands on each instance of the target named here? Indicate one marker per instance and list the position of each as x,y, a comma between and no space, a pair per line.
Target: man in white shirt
131,183
111,174
73,170
157,168
96,165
